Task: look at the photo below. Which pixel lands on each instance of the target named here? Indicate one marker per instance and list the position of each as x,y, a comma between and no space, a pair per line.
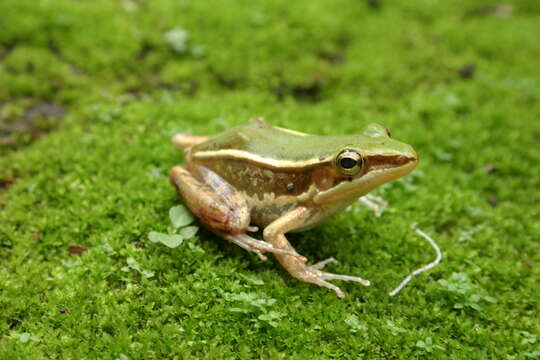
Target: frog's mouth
379,169
383,162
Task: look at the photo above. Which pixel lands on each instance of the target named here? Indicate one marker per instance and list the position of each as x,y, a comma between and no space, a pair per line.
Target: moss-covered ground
91,91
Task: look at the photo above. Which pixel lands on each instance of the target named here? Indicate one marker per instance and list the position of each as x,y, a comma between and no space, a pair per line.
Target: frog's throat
362,185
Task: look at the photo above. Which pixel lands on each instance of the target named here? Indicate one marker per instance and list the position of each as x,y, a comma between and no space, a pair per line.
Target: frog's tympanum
258,175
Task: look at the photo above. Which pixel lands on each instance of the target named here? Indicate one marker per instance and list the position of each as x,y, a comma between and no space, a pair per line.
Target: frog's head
365,161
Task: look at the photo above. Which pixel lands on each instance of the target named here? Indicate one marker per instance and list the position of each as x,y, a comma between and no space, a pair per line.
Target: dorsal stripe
245,155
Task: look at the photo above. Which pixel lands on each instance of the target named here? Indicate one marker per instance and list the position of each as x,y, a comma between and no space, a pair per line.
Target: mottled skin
283,181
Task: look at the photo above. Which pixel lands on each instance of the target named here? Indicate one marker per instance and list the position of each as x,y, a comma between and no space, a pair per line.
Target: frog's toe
330,276
322,264
313,275
330,286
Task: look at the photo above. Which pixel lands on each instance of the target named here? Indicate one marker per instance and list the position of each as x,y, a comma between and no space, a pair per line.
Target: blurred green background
91,91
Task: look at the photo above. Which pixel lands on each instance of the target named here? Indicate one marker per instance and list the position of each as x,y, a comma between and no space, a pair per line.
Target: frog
259,176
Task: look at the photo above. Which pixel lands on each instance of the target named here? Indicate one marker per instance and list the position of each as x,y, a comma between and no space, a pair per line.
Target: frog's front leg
220,208
275,235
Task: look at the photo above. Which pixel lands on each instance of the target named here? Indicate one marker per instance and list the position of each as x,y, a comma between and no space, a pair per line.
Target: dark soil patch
35,122
311,92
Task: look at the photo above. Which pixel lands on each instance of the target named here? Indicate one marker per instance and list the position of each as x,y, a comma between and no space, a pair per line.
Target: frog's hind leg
184,141
275,234
220,208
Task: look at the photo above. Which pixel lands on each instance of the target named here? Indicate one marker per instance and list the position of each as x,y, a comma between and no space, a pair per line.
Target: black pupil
348,163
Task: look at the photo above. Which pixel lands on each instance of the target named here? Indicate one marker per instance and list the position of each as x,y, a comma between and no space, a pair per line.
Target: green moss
100,180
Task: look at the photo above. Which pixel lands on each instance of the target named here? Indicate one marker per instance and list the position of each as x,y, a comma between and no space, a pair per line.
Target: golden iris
349,162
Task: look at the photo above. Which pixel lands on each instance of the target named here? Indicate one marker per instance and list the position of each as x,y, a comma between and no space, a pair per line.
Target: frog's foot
374,203
313,274
259,247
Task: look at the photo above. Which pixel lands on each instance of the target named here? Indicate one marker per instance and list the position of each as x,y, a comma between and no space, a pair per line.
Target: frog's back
258,137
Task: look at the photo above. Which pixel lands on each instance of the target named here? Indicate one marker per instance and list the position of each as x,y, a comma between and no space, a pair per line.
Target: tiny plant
257,304
463,293
177,39
132,264
427,345
355,324
394,329
24,337
180,230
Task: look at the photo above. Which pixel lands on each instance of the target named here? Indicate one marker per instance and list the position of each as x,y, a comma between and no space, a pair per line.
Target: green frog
262,176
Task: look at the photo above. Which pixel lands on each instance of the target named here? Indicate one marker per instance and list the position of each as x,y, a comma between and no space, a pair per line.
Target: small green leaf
271,317
354,323
147,274
464,293
533,354
24,337
240,310
177,39
252,280
180,216
171,241
132,263
394,329
188,232
528,338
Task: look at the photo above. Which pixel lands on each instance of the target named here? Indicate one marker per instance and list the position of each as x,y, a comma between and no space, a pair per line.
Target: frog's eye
388,131
349,162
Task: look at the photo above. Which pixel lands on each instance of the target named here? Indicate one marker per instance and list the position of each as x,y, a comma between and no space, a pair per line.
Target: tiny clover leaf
180,219
394,329
271,317
464,293
528,338
533,354
256,304
177,39
134,265
252,280
171,241
24,337
355,324
240,310
180,216
427,345
188,232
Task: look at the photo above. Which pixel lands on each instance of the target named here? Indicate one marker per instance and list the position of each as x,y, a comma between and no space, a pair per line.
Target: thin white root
422,269
376,199
374,203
